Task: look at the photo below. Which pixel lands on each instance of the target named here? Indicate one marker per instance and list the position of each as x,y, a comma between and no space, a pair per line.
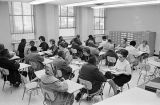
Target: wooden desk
40,73
47,61
15,57
101,53
154,63
74,67
73,86
134,96
23,66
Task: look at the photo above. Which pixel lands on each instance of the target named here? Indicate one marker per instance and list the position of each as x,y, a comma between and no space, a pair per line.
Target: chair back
48,95
145,67
131,58
4,71
33,64
111,59
59,73
74,51
87,84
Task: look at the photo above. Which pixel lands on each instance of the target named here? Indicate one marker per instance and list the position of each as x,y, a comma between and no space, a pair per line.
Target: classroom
79,52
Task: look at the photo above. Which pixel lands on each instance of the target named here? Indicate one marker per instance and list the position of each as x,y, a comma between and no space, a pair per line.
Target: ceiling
65,2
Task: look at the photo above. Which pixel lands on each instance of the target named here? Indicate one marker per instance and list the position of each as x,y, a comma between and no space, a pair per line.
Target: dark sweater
91,73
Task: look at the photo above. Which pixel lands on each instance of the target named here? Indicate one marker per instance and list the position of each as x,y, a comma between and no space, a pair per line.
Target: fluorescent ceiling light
128,4
40,1
90,2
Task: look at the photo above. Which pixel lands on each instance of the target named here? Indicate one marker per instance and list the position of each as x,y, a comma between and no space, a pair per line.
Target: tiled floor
15,98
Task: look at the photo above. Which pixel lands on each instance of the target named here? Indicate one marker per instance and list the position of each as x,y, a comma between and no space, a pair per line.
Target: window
98,21
21,21
66,21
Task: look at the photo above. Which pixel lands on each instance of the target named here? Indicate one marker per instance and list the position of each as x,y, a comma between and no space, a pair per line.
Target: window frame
12,21
99,17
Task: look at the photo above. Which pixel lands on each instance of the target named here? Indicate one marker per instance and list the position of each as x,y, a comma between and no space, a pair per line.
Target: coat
57,91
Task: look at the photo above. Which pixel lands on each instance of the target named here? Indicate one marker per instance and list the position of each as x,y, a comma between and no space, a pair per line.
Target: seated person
93,49
76,44
131,48
21,47
104,41
90,72
12,66
61,64
56,88
144,47
60,40
67,55
108,46
124,43
133,54
110,53
37,59
86,54
2,48
53,47
90,39
27,48
123,67
44,46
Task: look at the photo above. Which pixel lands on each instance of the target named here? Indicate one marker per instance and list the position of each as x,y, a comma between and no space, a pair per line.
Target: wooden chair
5,73
88,86
145,70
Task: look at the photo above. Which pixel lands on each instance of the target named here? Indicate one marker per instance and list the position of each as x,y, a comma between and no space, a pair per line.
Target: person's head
86,51
42,39
1,47
33,49
122,54
93,60
133,43
49,70
125,40
62,46
61,54
32,43
109,40
60,38
23,41
78,36
52,41
104,38
90,37
144,43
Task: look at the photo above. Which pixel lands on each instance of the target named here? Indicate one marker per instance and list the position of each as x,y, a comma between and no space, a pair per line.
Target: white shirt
103,43
132,50
123,66
144,49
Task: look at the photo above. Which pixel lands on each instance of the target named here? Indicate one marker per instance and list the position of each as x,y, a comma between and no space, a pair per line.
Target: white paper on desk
153,84
73,86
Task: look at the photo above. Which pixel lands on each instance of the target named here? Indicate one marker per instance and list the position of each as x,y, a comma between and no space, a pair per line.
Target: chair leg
109,90
128,85
23,93
139,78
3,85
102,97
30,94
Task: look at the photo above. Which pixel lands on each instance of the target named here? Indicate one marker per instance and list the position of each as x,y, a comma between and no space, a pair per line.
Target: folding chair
88,86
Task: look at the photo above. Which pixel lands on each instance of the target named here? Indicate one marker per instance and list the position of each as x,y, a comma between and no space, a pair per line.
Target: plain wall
5,36
139,18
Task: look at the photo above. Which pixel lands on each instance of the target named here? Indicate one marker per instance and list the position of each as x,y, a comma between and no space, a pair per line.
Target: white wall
140,18
5,36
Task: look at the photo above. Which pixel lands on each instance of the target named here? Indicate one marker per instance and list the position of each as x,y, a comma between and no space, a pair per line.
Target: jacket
57,91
